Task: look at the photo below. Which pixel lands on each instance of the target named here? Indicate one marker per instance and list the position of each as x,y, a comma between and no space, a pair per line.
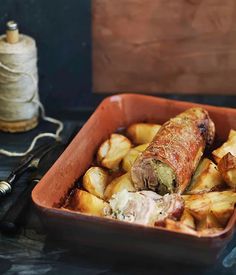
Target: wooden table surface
33,251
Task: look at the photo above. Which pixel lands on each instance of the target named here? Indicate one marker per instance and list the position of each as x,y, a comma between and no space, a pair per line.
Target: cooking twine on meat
19,98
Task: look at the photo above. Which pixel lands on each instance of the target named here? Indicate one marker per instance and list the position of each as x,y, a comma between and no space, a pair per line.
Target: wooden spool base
18,126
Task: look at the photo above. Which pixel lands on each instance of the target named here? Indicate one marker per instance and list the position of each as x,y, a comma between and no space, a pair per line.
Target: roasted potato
219,204
228,147
112,151
197,205
232,133
87,203
227,168
208,222
141,133
208,231
222,205
206,178
95,181
179,227
187,219
131,156
119,184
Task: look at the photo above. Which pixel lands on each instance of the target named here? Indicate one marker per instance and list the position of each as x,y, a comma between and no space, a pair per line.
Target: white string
19,72
34,99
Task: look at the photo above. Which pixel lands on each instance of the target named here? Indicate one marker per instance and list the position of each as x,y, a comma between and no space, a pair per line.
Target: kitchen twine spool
20,105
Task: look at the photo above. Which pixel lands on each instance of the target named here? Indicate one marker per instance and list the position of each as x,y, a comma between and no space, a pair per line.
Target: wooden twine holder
12,37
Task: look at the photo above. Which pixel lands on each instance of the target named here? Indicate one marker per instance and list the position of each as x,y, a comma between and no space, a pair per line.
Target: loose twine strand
32,99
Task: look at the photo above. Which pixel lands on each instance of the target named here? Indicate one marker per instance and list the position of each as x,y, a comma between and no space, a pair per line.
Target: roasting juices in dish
159,176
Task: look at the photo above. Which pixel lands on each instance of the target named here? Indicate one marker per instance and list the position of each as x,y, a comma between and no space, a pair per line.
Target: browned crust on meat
179,143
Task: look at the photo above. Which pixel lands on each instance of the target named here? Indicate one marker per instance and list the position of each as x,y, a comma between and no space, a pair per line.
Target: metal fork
30,161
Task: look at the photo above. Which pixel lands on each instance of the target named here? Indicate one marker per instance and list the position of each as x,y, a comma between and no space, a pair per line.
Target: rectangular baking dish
115,112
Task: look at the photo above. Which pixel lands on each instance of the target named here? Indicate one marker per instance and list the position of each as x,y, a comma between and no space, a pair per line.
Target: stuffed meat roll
166,166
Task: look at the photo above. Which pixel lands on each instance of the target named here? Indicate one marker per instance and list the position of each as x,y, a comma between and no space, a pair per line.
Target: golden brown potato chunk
228,147
208,222
119,184
131,156
87,203
179,227
187,219
227,168
209,231
206,178
197,205
95,181
232,133
112,151
222,205
219,204
141,133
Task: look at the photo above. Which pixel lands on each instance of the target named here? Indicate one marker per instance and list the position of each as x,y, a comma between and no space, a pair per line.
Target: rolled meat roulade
167,165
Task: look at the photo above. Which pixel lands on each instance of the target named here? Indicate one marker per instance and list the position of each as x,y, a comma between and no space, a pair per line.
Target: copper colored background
168,46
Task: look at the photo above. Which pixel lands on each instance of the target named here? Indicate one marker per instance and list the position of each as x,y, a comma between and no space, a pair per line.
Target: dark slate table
33,251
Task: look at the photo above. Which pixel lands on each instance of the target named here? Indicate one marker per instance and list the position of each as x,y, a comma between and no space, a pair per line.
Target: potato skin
131,156
112,151
227,168
228,147
119,184
141,133
206,178
179,227
197,205
219,204
208,222
95,181
222,205
187,219
85,202
209,231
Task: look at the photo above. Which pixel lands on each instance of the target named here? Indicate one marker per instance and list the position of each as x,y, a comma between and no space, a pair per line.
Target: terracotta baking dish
115,112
